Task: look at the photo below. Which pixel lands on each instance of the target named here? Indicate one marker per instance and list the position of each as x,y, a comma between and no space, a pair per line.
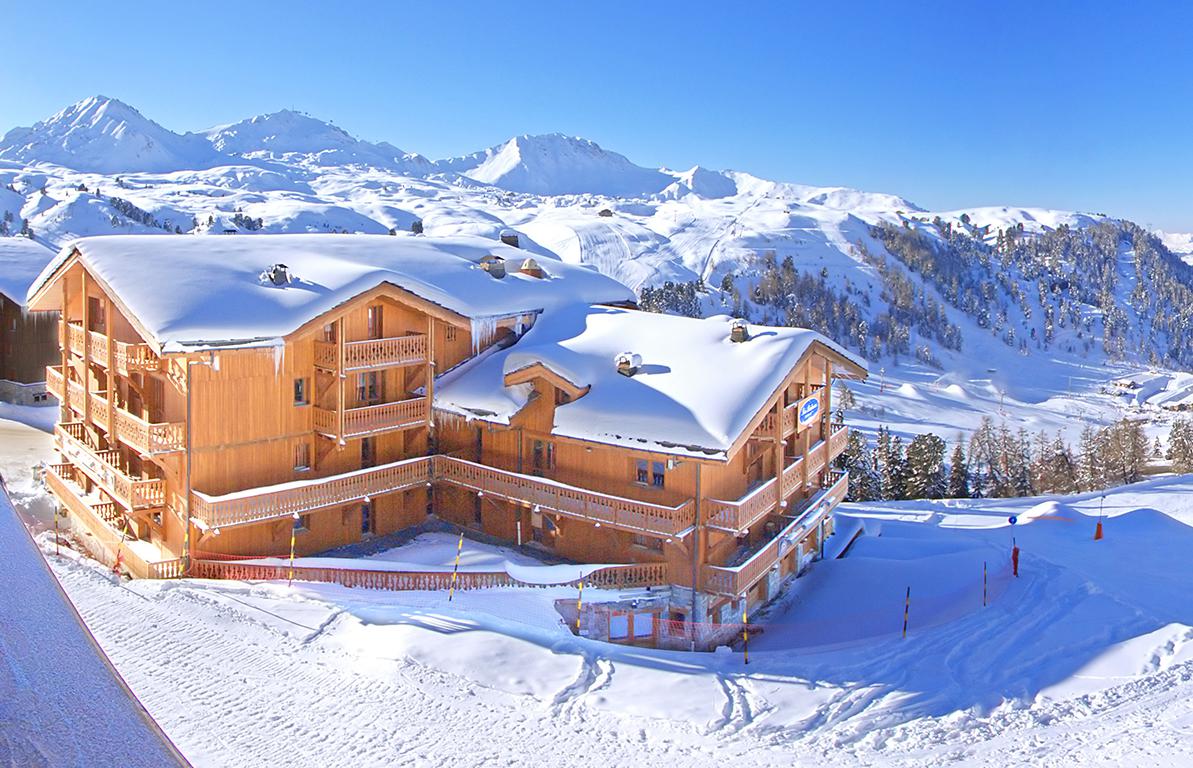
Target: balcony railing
129,357
738,579
569,500
791,415
371,419
146,437
302,496
373,353
100,519
739,515
103,467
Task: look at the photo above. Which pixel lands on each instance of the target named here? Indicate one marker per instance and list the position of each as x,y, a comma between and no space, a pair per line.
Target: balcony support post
86,352
340,404
111,379
64,405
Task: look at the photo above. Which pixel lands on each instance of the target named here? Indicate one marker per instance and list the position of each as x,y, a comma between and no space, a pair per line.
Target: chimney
510,237
494,265
628,363
739,331
531,267
277,274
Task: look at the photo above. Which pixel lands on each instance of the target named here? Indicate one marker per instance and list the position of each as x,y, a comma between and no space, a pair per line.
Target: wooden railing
129,357
737,579
371,419
791,415
612,577
146,437
98,519
373,353
605,509
103,467
287,499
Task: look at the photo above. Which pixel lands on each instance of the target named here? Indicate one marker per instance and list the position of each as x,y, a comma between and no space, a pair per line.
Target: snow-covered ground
1085,658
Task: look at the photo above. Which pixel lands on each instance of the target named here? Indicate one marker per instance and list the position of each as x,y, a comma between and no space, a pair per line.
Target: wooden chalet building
28,342
219,392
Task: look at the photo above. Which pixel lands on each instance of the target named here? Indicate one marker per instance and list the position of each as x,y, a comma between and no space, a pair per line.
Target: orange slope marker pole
293,533
745,630
579,603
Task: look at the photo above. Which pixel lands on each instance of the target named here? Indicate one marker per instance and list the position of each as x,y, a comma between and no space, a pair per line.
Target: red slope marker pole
1101,514
983,583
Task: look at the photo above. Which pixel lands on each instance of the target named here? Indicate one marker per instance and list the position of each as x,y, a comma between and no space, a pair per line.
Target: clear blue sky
1082,105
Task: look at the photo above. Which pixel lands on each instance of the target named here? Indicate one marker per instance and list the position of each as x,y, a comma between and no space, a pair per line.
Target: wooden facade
334,435
28,343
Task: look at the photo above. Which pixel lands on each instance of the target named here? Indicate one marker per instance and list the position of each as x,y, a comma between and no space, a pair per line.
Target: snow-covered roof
694,393
21,261
196,291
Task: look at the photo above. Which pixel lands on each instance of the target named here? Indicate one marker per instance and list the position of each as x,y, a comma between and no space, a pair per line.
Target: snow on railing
129,357
601,508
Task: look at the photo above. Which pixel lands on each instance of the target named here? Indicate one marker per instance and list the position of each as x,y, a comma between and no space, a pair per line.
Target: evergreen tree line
998,462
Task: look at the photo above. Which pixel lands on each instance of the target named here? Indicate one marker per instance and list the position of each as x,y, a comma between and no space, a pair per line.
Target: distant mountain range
957,293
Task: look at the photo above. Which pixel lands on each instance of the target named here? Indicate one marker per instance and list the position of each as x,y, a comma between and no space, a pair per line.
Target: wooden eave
529,373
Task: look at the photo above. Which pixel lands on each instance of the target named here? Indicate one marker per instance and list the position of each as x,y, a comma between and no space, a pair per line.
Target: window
329,333
300,391
648,542
302,456
376,322
95,313
643,624
368,453
658,474
642,473
543,455
302,524
449,334
368,387
367,522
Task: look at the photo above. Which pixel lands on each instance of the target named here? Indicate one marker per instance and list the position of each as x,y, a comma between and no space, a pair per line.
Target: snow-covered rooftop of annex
192,292
694,393
21,261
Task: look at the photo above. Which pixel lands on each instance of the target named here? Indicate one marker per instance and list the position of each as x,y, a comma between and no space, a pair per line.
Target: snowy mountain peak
105,135
557,164
296,136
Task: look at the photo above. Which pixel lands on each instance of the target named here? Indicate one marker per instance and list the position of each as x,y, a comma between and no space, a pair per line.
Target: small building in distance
28,341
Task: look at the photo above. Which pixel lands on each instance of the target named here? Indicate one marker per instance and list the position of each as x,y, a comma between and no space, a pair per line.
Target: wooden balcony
100,520
371,419
148,438
568,500
791,423
736,580
103,467
295,498
128,357
739,515
373,353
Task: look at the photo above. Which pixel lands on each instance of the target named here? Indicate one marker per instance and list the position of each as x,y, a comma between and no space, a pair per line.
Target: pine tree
958,471
1180,445
857,460
925,467
893,470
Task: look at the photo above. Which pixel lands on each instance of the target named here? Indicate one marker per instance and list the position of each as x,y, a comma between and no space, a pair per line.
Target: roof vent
531,267
739,331
510,237
628,363
494,265
277,274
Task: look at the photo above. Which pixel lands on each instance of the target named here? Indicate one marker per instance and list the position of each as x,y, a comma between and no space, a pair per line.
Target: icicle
483,331
279,358
215,363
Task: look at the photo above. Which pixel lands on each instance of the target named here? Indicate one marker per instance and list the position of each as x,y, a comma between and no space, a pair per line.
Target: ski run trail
1085,659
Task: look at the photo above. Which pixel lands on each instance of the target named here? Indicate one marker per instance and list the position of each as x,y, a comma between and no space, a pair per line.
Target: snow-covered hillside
867,268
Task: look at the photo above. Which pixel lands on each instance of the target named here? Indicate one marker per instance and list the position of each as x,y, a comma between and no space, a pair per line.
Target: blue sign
808,411
1012,519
